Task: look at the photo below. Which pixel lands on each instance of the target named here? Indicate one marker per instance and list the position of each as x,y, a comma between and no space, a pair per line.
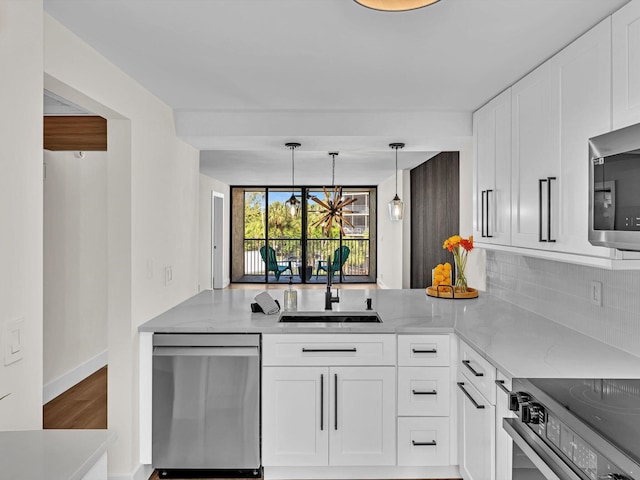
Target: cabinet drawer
423,441
423,391
423,350
329,349
480,373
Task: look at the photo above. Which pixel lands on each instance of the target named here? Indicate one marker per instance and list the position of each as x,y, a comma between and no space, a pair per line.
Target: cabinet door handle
467,364
335,400
468,395
432,443
500,383
482,200
321,402
540,182
329,350
418,392
416,350
488,221
549,239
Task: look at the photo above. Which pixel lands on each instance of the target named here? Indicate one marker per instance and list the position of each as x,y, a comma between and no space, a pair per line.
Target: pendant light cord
396,171
292,169
333,170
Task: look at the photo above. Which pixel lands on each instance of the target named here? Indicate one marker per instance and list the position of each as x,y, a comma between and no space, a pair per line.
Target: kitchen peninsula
408,370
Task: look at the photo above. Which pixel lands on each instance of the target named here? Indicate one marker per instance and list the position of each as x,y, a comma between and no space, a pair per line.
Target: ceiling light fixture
396,206
332,208
293,202
395,5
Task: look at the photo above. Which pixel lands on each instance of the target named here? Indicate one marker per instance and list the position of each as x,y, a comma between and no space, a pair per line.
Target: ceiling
246,76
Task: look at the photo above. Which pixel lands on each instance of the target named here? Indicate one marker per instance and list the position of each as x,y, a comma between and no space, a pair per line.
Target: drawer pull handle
432,443
321,402
335,400
500,383
467,364
417,392
468,395
329,350
417,350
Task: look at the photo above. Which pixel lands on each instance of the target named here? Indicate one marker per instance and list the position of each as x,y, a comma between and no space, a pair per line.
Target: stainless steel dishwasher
206,405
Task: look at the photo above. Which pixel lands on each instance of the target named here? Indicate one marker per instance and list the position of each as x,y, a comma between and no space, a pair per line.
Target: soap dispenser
290,298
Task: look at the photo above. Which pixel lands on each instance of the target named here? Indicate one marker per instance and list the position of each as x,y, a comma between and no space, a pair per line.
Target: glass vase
461,279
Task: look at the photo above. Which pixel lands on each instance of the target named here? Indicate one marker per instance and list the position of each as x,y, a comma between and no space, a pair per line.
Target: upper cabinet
492,168
554,111
626,65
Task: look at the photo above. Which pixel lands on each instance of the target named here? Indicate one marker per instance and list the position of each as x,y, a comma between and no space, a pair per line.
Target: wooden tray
444,291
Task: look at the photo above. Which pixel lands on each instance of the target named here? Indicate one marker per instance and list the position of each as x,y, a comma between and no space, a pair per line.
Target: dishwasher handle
206,351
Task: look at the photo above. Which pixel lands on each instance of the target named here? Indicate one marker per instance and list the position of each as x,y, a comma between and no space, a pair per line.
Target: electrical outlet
168,275
596,293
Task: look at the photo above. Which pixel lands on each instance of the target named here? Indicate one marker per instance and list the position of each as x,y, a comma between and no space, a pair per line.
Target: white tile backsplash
561,292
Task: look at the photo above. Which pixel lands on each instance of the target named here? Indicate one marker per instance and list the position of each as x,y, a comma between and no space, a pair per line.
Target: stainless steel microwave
614,189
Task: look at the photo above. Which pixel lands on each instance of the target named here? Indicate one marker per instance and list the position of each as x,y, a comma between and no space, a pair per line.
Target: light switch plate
596,293
12,336
168,275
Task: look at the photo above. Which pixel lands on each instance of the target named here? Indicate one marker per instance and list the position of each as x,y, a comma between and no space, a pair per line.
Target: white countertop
51,454
518,342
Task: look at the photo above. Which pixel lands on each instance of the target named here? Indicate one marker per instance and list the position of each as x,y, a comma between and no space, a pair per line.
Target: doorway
217,245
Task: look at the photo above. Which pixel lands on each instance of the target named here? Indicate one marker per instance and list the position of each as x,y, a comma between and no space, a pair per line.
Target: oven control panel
572,448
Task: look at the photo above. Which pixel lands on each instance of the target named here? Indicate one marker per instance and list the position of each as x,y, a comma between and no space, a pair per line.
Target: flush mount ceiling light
293,202
332,208
395,5
396,206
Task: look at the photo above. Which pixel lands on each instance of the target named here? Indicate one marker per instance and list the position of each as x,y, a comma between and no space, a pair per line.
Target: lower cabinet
320,416
477,433
504,444
423,441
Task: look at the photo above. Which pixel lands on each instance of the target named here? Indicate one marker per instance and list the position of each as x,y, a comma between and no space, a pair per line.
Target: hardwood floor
301,286
83,406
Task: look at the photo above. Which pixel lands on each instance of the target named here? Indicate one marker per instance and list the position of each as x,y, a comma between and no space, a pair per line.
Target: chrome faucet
328,297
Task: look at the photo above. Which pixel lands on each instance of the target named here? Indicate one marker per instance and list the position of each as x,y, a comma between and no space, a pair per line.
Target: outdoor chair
273,265
339,259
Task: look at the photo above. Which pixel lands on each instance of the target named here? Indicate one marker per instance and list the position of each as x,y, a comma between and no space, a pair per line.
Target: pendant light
395,5
396,206
293,202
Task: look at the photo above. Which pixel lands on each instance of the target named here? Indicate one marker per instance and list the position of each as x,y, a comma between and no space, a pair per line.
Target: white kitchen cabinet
626,65
423,441
504,444
492,168
423,391
582,100
555,110
336,407
476,417
362,416
318,416
535,163
295,419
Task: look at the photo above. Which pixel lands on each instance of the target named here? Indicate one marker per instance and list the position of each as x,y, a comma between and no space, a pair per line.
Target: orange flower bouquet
460,247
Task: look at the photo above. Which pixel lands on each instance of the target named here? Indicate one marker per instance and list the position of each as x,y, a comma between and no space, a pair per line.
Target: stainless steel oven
614,193
575,429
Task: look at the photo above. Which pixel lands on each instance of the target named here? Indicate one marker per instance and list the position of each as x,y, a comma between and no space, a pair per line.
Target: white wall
21,208
153,214
75,262
207,186
391,248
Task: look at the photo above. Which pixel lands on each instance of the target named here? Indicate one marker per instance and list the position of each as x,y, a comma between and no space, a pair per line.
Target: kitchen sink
343,317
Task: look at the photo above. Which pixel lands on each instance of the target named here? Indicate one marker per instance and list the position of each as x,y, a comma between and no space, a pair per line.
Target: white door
363,416
583,95
477,433
492,149
217,258
535,160
626,65
295,420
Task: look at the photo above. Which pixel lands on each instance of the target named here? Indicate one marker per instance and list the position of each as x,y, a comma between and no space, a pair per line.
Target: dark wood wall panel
86,133
435,214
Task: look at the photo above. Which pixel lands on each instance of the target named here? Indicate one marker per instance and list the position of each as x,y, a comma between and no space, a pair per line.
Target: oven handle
545,459
162,351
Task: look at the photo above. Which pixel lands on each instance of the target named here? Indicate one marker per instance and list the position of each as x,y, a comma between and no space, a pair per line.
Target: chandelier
293,202
332,207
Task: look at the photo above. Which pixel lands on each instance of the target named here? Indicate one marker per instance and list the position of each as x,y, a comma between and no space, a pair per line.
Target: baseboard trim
72,377
143,472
